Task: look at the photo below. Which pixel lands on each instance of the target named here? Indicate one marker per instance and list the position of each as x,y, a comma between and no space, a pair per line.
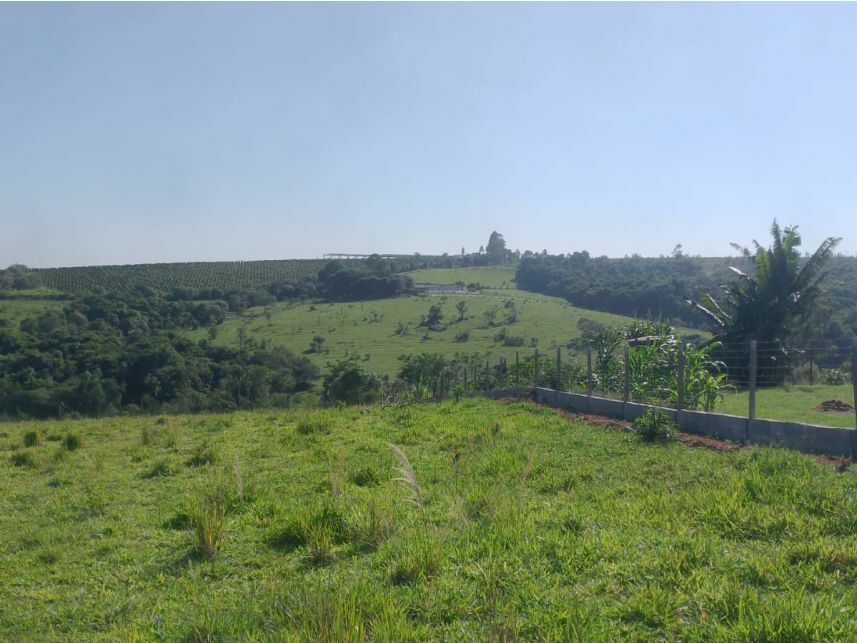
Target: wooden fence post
753,361
536,367
589,373
680,378
626,391
557,379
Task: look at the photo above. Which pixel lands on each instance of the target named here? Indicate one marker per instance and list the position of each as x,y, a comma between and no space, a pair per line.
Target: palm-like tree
768,305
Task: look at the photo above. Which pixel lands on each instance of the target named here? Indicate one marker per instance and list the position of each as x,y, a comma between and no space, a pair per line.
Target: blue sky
139,133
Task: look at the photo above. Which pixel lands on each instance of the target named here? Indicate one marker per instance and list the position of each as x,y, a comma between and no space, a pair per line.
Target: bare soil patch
834,406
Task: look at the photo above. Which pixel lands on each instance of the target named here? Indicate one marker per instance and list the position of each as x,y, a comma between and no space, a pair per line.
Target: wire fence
675,375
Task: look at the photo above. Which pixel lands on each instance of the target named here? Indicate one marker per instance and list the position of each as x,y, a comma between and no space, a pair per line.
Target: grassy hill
532,527
370,327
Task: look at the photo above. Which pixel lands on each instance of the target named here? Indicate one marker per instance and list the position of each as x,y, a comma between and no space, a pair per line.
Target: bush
462,336
655,425
513,340
833,376
347,382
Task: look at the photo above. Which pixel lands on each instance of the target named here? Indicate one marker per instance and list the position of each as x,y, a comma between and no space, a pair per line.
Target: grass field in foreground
532,527
370,327
795,403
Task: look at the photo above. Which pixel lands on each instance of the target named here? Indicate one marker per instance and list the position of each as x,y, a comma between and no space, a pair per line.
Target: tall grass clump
206,512
23,459
72,442
31,439
311,424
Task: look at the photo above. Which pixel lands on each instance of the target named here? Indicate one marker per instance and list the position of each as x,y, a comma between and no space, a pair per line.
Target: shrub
655,425
72,441
513,340
462,336
833,376
31,439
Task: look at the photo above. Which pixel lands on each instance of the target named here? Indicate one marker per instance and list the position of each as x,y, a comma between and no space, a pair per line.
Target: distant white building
439,288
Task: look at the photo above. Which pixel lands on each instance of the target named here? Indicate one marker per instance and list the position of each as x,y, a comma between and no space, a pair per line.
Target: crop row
219,274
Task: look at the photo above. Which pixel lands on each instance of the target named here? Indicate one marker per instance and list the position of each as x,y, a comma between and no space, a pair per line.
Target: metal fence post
753,358
589,373
680,378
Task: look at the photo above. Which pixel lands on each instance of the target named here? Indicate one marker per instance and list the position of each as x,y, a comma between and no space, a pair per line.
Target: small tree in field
461,307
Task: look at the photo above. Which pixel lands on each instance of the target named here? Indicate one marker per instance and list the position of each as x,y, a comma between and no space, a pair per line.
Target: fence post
489,384
557,379
680,379
626,390
854,387
752,412
589,373
536,366
811,360
854,377
465,379
517,370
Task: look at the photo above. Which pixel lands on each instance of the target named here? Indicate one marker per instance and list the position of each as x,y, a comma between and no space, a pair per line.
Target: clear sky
142,133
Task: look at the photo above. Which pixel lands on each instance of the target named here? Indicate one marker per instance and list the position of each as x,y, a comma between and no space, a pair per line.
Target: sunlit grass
528,526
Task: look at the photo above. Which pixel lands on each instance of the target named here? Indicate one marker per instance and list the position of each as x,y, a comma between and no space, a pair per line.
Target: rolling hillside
371,328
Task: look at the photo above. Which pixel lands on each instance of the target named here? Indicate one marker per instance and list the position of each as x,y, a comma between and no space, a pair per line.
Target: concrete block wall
807,438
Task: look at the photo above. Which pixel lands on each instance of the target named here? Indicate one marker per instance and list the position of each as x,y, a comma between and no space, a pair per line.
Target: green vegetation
222,275
526,526
793,403
379,332
638,286
771,305
485,276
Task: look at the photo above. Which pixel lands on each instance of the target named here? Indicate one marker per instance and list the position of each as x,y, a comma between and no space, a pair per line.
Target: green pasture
368,330
794,403
486,276
514,523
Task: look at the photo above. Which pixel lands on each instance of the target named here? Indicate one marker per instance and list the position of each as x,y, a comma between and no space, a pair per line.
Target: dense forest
661,286
101,354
